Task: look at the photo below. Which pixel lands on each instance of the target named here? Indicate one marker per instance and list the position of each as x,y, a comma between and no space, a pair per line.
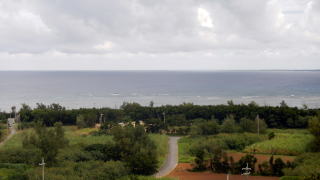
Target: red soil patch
181,172
260,157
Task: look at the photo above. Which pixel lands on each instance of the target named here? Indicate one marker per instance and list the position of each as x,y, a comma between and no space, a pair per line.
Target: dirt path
172,158
12,131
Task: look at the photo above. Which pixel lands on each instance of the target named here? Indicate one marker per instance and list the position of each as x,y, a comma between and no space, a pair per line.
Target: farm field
235,142
285,142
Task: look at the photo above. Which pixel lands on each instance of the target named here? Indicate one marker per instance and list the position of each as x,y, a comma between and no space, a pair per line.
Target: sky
159,34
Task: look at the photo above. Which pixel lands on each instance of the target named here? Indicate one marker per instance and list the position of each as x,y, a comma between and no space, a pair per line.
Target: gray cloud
261,28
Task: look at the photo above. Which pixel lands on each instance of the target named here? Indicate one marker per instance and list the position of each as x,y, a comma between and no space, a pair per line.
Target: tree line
162,117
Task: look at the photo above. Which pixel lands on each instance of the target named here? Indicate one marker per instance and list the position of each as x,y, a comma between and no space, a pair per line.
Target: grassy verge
4,134
184,144
161,142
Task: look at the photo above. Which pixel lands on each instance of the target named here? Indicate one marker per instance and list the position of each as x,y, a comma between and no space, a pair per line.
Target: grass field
290,142
286,142
4,134
83,136
184,145
233,140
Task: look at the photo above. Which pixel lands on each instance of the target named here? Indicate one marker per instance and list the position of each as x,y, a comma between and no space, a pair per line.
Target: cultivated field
285,142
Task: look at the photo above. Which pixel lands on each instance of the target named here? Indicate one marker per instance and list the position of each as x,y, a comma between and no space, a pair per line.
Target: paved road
172,158
13,131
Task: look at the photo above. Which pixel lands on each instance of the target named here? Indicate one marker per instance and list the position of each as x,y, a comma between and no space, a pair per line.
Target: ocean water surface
75,89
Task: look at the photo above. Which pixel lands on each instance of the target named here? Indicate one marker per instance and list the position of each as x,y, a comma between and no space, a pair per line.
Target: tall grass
283,144
161,142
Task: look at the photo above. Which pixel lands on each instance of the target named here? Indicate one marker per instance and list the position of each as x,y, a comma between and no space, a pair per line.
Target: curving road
172,158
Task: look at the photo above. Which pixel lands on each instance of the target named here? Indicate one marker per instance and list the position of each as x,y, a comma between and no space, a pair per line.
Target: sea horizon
86,89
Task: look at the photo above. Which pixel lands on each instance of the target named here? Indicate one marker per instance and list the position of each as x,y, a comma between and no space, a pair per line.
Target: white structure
11,122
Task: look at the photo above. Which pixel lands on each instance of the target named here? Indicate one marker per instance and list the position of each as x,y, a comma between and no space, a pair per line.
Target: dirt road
12,131
172,158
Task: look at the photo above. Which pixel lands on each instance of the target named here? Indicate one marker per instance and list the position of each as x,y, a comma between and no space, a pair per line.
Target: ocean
75,89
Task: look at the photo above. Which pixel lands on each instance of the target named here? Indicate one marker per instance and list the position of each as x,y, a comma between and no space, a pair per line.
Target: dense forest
162,117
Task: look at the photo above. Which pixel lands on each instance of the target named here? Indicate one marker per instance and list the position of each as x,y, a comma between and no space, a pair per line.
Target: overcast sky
159,34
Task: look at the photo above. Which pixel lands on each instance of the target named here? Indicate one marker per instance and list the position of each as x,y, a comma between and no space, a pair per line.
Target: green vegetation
89,156
161,142
307,165
283,143
79,151
181,115
314,128
235,142
184,144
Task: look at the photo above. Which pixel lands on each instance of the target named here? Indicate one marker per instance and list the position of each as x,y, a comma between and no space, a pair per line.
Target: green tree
136,149
86,120
260,124
229,125
49,141
247,125
203,127
314,128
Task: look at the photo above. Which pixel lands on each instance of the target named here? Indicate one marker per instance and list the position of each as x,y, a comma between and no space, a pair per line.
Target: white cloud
204,18
107,45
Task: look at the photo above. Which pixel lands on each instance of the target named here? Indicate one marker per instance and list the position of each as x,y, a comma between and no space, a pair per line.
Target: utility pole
42,164
228,175
246,171
100,119
258,119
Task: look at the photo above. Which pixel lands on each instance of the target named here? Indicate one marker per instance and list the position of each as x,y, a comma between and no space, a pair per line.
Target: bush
307,165
271,135
86,120
111,170
240,141
229,125
203,127
247,125
27,156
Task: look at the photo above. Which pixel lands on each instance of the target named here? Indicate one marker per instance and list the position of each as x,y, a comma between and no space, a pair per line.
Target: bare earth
181,172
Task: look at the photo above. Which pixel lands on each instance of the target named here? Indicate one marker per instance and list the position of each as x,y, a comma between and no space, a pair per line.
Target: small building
11,122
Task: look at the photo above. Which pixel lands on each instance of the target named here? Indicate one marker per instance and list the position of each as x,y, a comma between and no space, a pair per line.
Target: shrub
203,127
111,170
307,165
240,141
30,156
271,135
247,125
229,125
